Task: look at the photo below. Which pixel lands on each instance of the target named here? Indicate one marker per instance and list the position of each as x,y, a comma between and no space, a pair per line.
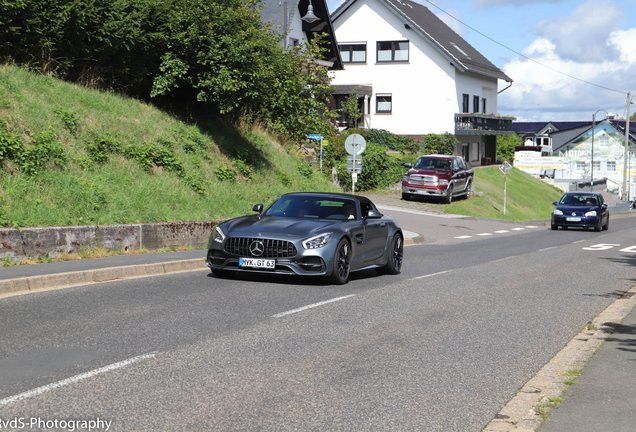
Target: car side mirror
408,165
374,214
554,203
258,208
604,206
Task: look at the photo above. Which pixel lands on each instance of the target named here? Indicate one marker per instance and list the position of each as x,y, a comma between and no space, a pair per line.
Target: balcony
482,124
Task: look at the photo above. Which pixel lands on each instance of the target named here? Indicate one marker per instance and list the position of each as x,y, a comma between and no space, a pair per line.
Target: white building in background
416,76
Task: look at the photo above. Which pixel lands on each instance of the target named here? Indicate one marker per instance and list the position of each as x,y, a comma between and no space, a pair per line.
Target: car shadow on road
293,280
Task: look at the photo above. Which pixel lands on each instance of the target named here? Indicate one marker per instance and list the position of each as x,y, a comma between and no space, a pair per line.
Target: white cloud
584,35
539,93
591,48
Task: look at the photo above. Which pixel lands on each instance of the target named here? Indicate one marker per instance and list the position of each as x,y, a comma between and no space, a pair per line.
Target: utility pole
625,196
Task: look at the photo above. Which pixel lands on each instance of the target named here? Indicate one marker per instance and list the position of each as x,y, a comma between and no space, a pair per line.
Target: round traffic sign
357,141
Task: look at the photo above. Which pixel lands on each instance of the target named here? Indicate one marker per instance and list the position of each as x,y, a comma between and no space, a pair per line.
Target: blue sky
594,41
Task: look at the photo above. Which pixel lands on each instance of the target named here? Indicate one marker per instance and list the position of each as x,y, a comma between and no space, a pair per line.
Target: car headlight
218,235
557,212
590,213
317,241
442,181
406,178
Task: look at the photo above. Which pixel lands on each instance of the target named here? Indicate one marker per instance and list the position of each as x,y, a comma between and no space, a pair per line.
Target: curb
519,414
25,285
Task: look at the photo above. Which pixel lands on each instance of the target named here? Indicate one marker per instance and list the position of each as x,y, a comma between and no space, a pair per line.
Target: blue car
582,210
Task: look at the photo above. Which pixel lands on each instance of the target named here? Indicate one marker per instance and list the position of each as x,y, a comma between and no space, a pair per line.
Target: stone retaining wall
34,242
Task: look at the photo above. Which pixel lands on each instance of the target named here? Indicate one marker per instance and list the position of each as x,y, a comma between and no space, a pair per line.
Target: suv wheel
449,194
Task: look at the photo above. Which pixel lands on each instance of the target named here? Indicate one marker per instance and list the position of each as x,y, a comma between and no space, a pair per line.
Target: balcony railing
482,124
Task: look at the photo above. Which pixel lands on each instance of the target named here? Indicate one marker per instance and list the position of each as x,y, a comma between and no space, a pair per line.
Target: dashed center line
293,311
71,380
430,275
498,232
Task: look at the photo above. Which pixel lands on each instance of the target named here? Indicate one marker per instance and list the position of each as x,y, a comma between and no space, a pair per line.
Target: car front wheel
606,226
469,187
341,263
449,194
396,253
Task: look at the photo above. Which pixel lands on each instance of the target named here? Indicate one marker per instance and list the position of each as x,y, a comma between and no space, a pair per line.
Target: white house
417,76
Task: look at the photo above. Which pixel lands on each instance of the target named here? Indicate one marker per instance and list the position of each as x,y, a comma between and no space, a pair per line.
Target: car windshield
433,163
313,208
579,200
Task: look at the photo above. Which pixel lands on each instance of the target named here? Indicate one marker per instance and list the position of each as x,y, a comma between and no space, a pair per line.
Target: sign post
505,169
322,155
355,145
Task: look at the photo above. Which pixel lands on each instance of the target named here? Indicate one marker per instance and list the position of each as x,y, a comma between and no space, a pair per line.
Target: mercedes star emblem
257,248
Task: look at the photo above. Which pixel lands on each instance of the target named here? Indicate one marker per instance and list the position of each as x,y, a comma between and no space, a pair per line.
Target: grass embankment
527,198
88,157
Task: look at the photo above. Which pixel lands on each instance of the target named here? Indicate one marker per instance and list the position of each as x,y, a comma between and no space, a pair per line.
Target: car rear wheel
449,194
341,263
396,253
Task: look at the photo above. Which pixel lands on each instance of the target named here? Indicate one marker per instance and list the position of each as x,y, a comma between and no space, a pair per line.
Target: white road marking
71,380
485,234
518,229
579,241
504,259
463,237
531,226
501,231
548,248
432,274
282,314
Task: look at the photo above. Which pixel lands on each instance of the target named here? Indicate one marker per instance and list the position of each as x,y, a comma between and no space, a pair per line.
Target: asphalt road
479,308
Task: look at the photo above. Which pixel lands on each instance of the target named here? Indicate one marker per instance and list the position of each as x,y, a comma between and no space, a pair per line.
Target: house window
383,103
483,105
597,165
475,104
611,166
293,43
396,51
464,103
353,53
580,165
604,141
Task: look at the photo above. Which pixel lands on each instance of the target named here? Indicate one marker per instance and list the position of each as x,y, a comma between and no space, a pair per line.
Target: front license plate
573,219
257,263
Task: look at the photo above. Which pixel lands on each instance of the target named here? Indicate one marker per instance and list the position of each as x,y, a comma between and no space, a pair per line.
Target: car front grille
424,180
240,246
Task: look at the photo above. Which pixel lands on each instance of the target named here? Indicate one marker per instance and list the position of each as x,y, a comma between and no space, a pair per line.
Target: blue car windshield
579,200
311,207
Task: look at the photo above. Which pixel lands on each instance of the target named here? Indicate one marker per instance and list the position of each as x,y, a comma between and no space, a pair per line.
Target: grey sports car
308,234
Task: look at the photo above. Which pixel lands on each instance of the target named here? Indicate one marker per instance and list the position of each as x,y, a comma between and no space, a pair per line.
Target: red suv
438,176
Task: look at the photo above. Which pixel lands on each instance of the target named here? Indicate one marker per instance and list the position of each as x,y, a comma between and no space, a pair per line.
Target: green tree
351,108
445,143
506,147
221,53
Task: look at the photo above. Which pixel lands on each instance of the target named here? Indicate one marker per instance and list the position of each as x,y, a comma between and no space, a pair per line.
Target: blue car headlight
557,212
317,241
591,213
218,235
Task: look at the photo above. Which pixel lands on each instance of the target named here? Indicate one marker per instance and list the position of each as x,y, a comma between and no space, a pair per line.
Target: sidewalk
604,396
